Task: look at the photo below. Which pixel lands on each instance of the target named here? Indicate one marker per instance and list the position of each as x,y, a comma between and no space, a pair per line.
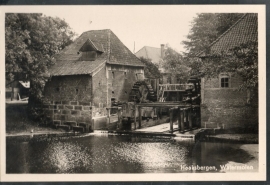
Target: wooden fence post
179,118
186,115
140,116
135,112
182,120
119,123
190,118
109,114
171,120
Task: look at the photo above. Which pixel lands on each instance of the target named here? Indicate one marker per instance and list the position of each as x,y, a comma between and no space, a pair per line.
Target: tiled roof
150,53
244,30
115,52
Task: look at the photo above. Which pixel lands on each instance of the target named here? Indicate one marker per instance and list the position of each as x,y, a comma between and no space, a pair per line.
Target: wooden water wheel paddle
142,92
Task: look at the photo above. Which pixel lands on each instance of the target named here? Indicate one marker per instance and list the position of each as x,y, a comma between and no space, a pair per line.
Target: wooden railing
175,87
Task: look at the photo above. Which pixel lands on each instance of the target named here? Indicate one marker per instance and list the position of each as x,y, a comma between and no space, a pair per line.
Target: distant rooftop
150,53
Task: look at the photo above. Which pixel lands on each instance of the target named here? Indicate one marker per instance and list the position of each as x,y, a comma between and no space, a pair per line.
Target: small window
77,90
112,74
224,81
57,89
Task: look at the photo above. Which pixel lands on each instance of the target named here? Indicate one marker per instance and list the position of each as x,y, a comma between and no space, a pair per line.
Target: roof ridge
96,30
140,49
152,47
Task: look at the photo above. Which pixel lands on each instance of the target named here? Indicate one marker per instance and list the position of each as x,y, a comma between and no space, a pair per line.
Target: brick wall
214,82
69,98
226,106
99,93
69,88
121,80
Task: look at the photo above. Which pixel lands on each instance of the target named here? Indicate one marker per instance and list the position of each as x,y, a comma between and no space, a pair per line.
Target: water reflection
117,154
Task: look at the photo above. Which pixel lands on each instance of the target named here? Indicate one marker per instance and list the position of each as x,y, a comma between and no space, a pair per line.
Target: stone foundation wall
80,112
69,98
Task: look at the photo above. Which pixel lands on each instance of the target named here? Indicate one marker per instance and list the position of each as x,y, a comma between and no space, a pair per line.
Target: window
224,81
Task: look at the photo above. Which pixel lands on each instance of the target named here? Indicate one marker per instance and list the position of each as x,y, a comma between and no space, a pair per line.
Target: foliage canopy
175,64
31,42
151,70
206,28
241,60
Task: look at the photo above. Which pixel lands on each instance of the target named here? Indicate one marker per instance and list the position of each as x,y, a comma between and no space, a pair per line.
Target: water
117,154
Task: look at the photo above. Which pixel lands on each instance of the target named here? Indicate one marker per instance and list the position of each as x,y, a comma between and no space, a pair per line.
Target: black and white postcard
133,93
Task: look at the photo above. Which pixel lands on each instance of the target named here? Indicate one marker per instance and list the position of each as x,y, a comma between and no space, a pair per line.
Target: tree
241,60
151,70
175,64
31,42
206,28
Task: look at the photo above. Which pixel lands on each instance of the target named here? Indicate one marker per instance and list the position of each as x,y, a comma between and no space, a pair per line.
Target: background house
221,102
88,75
156,55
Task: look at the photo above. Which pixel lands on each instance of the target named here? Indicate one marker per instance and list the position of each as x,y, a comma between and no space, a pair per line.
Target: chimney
162,51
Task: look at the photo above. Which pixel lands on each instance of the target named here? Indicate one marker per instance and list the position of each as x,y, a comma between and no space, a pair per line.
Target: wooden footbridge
182,121
187,116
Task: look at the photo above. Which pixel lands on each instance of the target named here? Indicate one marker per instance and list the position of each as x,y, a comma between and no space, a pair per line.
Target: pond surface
118,154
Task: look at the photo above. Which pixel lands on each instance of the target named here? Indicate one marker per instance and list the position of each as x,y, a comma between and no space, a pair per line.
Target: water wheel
142,92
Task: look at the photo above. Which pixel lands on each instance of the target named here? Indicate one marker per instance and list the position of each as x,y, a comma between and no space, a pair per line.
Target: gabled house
88,75
222,105
156,55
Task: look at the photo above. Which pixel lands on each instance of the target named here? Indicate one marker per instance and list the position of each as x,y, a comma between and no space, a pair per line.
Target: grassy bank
17,121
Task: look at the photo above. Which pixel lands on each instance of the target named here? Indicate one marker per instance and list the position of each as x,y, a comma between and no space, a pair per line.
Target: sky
135,25
147,26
